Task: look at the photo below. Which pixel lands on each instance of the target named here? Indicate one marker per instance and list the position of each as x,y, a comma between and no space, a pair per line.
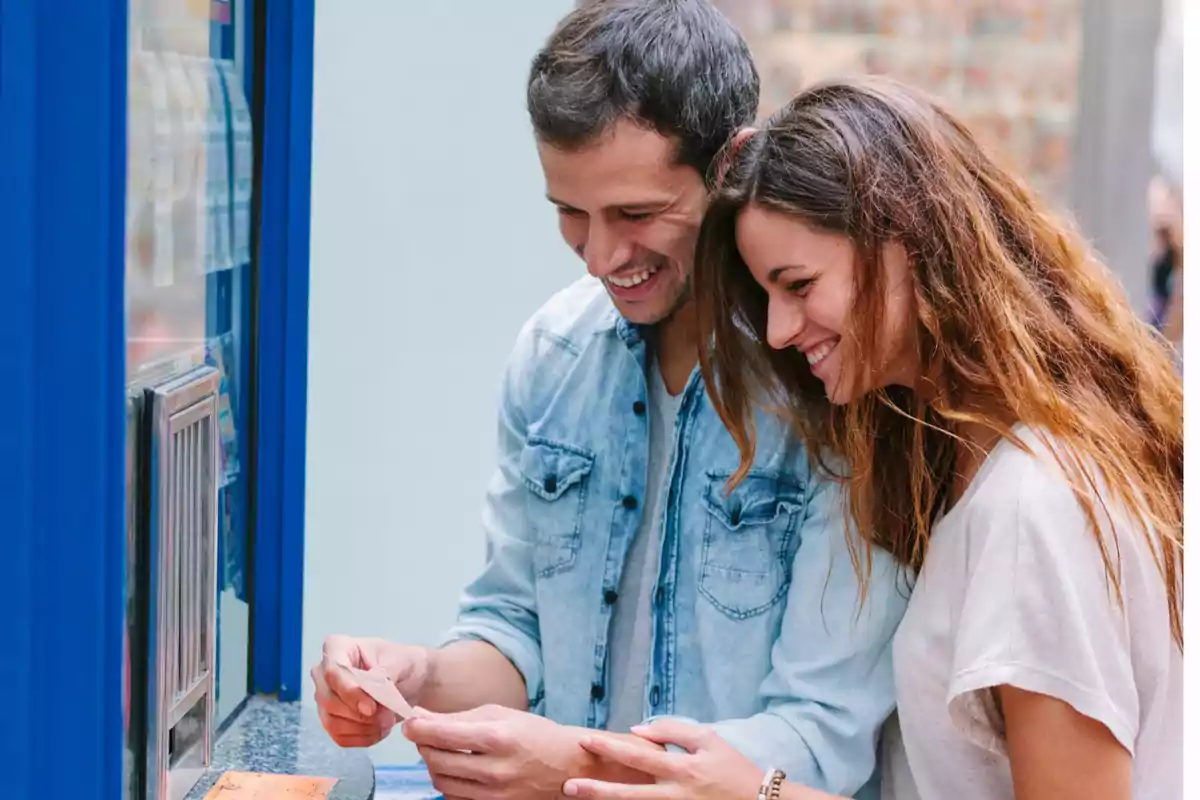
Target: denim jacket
758,627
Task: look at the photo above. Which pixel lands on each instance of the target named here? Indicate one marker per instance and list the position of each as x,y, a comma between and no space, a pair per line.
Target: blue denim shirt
758,627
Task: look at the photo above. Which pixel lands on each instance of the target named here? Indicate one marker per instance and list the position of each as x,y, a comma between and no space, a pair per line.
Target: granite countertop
287,739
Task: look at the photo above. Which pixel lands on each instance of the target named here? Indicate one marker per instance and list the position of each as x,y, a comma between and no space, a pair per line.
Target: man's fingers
342,685
601,790
331,702
343,730
457,788
464,766
355,742
441,733
643,758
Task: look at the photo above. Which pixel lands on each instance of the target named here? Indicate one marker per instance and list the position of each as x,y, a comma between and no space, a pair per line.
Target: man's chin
650,311
641,312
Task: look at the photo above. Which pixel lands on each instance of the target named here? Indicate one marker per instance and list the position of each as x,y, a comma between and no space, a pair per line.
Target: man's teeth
629,281
818,354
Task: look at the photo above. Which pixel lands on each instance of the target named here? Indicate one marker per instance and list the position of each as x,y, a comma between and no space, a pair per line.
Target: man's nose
784,326
605,251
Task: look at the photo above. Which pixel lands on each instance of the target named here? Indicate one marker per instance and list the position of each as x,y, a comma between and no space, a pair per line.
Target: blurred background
431,243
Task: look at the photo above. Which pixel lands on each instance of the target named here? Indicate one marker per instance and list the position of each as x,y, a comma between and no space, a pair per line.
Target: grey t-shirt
632,623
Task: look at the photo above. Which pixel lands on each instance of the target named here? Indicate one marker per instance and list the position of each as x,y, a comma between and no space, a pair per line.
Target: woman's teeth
629,281
819,353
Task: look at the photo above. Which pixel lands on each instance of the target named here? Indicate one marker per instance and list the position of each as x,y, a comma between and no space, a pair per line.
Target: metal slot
183,551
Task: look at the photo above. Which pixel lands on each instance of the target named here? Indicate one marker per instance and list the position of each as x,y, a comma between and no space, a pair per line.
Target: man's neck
675,348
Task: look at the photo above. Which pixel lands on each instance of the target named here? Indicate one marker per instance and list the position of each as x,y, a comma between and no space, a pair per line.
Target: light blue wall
431,244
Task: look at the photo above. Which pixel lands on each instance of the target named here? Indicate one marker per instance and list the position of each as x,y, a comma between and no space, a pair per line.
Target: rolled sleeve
831,686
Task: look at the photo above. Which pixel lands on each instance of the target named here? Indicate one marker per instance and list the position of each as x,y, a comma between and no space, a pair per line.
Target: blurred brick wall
1007,67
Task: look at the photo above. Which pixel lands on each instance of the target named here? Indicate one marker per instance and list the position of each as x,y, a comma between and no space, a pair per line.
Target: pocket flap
551,468
759,499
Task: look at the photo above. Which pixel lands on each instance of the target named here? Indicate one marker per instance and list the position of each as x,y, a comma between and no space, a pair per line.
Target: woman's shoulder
1037,488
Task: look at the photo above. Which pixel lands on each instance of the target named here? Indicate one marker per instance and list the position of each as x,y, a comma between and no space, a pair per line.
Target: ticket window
190,278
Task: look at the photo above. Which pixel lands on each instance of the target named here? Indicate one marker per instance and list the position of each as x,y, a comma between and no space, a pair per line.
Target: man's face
632,214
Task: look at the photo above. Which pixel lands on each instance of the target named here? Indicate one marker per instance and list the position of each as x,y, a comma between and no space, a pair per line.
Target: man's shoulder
570,319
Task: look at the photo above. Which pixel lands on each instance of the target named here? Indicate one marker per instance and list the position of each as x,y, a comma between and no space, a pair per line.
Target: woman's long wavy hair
1017,321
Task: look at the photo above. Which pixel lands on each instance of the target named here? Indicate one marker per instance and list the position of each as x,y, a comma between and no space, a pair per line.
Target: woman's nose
784,326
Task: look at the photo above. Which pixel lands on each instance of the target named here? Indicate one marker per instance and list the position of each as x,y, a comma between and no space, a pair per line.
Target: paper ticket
380,688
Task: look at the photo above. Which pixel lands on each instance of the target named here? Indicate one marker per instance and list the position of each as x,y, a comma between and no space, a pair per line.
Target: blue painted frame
62,318
282,342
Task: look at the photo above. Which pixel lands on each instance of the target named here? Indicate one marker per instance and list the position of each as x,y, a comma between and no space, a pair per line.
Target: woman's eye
800,288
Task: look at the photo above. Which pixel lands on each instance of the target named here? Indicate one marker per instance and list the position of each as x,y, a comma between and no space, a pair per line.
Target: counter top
287,739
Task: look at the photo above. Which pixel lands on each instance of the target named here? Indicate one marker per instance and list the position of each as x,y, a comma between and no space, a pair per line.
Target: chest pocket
747,542
556,476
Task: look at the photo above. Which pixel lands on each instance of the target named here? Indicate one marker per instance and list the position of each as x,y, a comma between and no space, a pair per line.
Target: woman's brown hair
1017,321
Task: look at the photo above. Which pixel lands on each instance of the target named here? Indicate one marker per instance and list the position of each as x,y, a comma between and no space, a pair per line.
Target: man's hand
350,716
510,755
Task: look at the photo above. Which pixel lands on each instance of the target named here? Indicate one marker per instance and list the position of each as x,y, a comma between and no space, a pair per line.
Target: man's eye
569,212
636,216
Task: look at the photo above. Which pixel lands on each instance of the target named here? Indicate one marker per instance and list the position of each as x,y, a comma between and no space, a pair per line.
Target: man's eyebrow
647,205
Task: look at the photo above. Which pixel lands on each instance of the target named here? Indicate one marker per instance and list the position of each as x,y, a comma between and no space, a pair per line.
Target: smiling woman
810,277
992,401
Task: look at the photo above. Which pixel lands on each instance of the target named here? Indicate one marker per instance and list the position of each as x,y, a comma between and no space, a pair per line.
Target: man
623,581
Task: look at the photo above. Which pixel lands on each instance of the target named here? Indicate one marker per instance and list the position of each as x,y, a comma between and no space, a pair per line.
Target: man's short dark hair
678,67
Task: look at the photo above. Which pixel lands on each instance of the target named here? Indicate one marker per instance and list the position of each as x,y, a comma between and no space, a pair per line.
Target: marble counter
287,739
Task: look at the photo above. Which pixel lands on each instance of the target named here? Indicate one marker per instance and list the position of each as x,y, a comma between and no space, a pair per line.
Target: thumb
688,735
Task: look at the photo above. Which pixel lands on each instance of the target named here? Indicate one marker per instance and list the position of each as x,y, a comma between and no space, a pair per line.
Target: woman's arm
1058,753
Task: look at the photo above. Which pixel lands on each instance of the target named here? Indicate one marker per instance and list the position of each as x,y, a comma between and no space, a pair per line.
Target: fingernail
365,708
569,789
639,729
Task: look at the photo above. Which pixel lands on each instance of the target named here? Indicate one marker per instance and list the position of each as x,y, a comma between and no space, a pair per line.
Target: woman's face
808,276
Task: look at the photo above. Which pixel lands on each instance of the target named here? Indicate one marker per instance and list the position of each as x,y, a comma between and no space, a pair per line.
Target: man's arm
831,686
493,653
467,674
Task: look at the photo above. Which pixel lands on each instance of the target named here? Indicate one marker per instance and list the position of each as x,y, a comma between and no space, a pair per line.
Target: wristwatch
772,785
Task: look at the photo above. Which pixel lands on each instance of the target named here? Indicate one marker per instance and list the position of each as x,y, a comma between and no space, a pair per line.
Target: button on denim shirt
758,626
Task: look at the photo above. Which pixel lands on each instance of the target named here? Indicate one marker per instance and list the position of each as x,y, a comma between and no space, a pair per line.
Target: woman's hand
710,770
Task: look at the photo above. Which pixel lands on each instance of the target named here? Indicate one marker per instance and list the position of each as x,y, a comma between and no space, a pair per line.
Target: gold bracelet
772,785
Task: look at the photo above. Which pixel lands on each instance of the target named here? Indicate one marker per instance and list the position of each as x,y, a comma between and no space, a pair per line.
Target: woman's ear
731,151
740,138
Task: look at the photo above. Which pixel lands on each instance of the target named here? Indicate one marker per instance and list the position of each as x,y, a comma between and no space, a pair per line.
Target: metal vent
183,553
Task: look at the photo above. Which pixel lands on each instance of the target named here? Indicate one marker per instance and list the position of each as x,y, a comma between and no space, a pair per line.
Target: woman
1005,425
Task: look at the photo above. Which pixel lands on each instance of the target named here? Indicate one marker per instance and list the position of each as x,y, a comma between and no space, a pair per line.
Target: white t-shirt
1014,592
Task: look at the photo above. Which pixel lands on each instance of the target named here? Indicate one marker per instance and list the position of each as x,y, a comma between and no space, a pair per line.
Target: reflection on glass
189,261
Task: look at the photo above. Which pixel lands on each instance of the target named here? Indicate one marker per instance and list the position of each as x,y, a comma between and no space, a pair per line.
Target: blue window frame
62,329
62,477
282,357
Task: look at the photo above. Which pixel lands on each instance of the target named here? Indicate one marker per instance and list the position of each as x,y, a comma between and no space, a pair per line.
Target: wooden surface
260,786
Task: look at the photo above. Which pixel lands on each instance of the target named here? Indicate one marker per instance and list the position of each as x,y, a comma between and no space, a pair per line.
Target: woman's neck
976,441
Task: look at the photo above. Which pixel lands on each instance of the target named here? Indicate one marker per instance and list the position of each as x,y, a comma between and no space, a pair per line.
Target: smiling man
624,580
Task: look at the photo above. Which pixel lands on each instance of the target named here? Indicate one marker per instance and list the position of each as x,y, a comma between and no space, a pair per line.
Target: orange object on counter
261,786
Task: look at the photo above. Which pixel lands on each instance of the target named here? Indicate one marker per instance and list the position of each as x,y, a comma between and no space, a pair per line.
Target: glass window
189,270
